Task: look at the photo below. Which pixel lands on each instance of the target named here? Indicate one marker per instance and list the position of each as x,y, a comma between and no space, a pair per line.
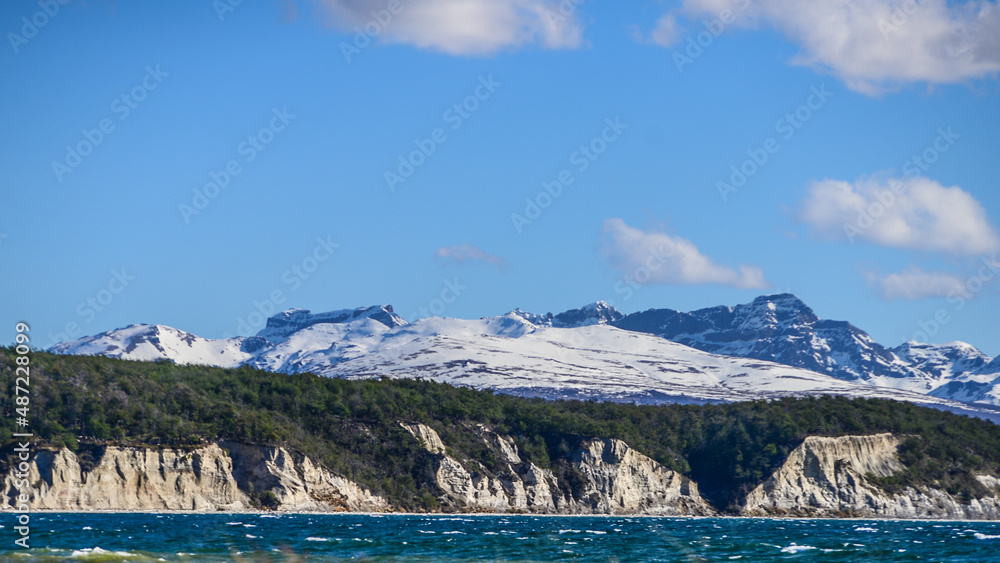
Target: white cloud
914,212
877,45
463,27
667,32
658,258
915,283
463,253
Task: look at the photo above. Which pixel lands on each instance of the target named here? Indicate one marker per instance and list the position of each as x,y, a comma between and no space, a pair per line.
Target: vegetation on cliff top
352,427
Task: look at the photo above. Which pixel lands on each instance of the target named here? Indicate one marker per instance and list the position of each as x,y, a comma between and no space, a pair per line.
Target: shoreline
265,513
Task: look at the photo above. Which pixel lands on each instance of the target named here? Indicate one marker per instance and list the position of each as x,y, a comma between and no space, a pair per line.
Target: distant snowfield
507,354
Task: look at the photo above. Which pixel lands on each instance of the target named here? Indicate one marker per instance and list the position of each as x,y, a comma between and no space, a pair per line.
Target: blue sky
638,131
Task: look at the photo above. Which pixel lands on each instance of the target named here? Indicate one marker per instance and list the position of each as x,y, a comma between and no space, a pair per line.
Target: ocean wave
96,552
795,548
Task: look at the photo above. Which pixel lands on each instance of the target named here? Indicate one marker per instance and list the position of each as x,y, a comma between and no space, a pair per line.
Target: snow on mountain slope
507,354
318,346
597,313
158,342
511,351
781,328
269,349
968,374
592,361
289,322
943,361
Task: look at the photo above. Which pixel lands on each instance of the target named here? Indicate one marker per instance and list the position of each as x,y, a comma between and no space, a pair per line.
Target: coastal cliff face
223,476
823,477
614,479
829,477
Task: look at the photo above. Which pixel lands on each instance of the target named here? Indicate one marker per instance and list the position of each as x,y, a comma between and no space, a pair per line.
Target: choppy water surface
310,537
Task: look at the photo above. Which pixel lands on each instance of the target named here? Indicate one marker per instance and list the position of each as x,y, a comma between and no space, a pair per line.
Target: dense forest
351,426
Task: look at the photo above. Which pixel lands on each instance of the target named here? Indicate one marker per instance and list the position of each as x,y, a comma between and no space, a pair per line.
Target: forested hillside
352,426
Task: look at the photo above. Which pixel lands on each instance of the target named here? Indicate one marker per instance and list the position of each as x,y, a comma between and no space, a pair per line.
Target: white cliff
617,480
829,477
623,481
825,477
214,477
298,483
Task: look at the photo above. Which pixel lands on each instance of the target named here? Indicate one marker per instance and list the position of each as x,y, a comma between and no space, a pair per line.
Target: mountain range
772,347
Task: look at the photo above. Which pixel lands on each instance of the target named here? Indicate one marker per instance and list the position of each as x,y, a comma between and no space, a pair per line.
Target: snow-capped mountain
942,360
511,355
772,347
597,313
781,328
778,328
289,322
968,374
157,342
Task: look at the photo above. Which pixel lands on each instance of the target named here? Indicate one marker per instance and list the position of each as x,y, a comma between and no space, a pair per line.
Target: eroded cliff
613,479
822,477
831,477
219,476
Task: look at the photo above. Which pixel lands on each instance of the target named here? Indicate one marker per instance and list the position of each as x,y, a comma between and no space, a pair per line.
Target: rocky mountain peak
597,313
291,321
778,309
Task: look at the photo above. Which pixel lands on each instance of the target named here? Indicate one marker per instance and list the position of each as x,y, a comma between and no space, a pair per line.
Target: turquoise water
342,537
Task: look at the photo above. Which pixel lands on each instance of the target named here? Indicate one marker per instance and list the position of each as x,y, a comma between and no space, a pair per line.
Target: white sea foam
794,548
317,539
980,536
